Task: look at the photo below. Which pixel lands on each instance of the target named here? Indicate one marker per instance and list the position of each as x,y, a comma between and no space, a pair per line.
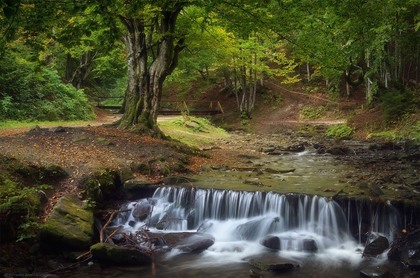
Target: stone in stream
376,247
272,242
185,241
142,210
272,263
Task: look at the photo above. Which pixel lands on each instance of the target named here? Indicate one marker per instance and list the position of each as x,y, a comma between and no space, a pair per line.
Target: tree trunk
145,79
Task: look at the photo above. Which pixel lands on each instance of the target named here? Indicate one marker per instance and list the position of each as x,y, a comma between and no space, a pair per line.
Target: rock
119,255
69,225
279,171
376,247
309,245
138,188
57,129
340,150
142,210
406,247
34,130
376,272
100,186
273,263
196,243
272,242
185,241
295,148
252,229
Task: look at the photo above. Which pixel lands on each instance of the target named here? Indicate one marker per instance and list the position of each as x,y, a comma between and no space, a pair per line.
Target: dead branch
111,217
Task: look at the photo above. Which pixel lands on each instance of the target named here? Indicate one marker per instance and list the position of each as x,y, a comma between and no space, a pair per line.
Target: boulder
309,245
273,263
376,247
69,225
142,210
185,241
196,243
272,242
119,255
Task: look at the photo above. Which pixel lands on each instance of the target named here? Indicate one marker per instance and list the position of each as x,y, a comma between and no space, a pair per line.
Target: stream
319,236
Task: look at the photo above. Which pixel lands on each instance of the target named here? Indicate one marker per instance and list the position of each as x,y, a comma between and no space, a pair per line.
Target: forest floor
84,148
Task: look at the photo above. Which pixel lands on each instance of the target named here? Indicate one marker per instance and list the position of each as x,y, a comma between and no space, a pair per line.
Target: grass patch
406,130
26,124
192,131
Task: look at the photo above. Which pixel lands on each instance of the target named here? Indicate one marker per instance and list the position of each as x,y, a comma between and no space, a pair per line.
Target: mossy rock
100,185
118,255
69,225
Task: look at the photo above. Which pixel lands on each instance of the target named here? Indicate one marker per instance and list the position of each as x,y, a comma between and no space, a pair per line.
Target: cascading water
307,226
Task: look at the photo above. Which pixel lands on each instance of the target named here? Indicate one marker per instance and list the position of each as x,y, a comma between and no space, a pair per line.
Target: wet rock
196,243
142,210
273,263
309,245
385,146
279,171
119,255
406,247
252,229
295,148
340,150
376,247
185,241
272,242
68,226
376,272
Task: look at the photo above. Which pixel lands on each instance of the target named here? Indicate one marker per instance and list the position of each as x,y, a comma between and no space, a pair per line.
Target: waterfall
297,220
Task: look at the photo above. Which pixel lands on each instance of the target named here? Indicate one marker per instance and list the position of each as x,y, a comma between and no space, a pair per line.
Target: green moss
99,186
193,131
69,225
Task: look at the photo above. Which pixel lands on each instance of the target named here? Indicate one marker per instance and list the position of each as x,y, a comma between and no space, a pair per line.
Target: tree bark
148,67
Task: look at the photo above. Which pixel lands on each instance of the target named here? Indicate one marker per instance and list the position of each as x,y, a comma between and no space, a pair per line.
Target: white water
239,220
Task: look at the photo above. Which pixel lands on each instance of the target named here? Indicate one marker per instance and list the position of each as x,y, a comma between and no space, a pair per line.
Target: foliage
406,129
30,91
311,112
396,104
339,132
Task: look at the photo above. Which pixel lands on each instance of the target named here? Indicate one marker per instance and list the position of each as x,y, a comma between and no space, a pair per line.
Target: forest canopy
57,55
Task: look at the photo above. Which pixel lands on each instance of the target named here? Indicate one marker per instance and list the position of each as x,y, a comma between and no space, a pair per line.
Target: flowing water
323,236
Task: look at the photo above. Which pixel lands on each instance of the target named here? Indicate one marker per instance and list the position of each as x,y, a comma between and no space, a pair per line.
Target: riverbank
290,161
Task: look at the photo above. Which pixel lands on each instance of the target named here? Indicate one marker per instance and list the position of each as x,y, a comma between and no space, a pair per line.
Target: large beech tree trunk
148,66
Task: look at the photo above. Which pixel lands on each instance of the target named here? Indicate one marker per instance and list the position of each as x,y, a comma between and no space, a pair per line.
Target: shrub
31,92
339,132
396,104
